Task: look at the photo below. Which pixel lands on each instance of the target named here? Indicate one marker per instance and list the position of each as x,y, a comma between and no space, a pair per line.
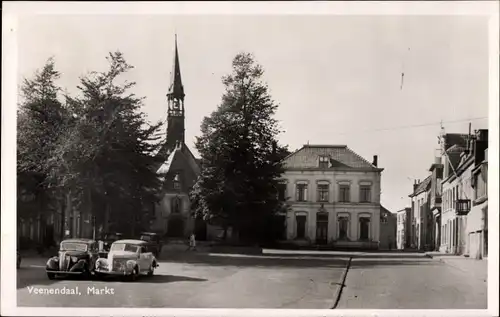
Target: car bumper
64,272
122,273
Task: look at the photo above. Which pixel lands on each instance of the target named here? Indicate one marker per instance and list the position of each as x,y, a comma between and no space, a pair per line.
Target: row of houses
449,208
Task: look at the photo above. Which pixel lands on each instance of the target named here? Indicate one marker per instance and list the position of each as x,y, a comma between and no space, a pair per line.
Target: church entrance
175,226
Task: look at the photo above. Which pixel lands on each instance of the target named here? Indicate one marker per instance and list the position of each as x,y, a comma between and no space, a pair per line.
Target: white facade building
403,229
477,219
334,197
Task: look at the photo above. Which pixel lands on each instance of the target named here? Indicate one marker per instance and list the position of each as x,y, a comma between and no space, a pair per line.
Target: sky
336,78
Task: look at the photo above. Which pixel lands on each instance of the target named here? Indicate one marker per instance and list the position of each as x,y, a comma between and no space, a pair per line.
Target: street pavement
198,281
294,281
412,284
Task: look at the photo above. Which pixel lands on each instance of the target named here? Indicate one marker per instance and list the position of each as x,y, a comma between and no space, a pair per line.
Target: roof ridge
360,157
325,145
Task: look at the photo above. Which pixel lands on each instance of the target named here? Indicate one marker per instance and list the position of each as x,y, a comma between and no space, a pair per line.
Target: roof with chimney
455,139
423,186
340,157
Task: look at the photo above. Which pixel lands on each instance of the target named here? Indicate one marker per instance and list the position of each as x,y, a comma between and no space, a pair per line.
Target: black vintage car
76,257
153,244
109,238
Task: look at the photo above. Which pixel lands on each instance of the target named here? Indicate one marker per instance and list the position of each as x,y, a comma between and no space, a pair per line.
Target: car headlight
130,264
74,259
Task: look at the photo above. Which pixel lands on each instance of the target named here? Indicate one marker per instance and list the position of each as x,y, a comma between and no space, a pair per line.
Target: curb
341,284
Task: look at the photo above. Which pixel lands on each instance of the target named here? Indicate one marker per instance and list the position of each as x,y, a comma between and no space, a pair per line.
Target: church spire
176,89
175,100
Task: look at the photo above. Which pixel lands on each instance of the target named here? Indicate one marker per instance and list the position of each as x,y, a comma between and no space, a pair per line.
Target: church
179,170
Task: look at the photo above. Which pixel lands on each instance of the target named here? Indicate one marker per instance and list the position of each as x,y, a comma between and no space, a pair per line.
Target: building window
177,181
480,187
365,193
343,227
301,226
282,192
364,228
323,190
344,193
323,161
301,192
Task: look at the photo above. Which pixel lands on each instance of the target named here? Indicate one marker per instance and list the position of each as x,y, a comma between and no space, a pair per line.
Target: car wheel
86,272
151,270
134,275
51,276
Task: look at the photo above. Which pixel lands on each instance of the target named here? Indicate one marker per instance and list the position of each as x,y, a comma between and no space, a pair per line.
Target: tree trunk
67,215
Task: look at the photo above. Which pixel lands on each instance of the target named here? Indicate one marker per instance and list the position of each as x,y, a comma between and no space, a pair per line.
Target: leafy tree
106,158
240,155
41,119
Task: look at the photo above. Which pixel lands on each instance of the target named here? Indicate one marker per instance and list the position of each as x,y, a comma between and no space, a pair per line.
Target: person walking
192,242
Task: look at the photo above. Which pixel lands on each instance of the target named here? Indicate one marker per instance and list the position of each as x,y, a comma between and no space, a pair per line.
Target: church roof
165,167
176,88
340,157
181,152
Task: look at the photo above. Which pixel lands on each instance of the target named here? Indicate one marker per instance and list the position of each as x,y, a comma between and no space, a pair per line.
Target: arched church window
176,205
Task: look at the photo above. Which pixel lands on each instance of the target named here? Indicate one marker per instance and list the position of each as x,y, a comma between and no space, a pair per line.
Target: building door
364,228
301,226
322,228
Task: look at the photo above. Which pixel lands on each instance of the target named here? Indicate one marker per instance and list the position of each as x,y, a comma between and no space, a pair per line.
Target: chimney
480,145
415,185
375,160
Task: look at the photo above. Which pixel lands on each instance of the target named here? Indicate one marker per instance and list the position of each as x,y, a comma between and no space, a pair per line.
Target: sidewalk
478,269
354,254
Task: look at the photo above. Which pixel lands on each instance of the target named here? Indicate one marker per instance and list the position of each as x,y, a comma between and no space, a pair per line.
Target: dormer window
324,161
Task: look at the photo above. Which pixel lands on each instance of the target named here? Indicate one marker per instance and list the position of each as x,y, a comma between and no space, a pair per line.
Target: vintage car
153,242
129,258
76,256
108,240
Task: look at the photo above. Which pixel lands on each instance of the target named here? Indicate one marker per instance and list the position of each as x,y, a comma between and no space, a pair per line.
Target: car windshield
124,247
74,246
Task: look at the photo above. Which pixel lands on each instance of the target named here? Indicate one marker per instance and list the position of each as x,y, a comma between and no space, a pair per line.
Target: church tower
175,100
